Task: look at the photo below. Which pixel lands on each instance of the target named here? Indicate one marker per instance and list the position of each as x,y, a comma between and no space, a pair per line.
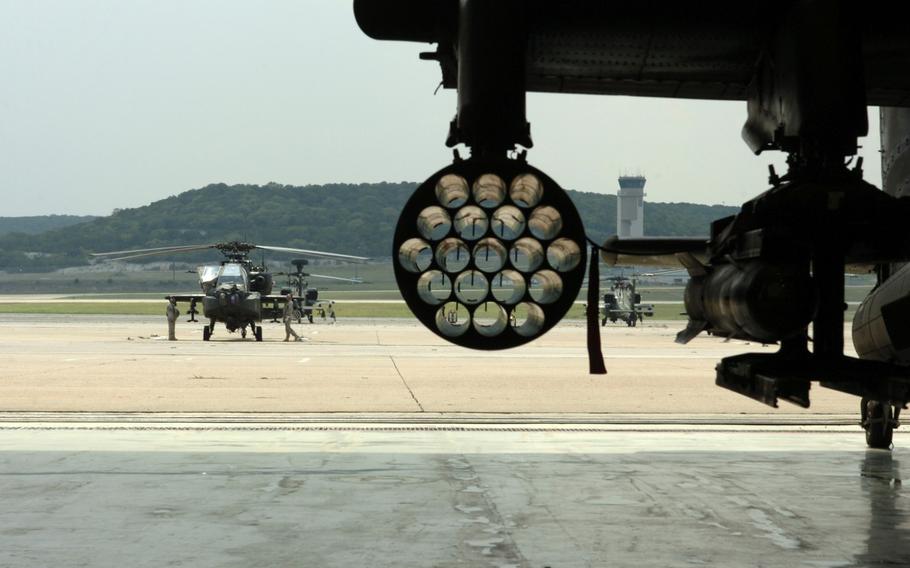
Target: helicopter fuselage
233,293
234,307
623,303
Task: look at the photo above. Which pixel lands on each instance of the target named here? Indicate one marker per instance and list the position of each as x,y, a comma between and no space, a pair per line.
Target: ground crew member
287,317
172,314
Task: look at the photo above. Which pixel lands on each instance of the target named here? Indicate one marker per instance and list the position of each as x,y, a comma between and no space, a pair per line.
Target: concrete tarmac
374,443
336,495
124,364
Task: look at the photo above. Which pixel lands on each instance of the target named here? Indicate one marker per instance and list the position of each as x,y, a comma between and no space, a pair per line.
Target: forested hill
40,223
354,219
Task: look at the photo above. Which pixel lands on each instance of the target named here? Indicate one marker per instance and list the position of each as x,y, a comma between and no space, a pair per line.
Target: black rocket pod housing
489,254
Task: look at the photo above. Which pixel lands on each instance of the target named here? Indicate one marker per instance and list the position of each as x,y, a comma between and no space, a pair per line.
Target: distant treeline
40,223
346,218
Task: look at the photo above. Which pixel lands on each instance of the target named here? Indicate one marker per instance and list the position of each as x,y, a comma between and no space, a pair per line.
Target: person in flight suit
172,314
287,317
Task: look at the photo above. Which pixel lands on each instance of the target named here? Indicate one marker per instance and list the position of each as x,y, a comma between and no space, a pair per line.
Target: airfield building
630,202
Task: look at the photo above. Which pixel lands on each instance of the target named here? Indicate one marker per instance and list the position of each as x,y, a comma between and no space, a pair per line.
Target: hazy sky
108,104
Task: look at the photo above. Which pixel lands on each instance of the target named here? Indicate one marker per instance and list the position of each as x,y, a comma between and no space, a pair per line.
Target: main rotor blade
316,253
354,280
652,251
155,250
159,252
661,272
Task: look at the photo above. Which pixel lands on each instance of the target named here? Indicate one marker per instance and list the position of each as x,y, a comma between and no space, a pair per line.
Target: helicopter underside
236,315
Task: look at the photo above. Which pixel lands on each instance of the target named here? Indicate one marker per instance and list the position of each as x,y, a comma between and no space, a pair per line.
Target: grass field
379,284
80,308
375,276
655,294
329,295
366,310
342,310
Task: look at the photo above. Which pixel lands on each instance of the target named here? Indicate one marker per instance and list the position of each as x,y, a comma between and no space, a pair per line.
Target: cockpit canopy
208,273
232,275
228,274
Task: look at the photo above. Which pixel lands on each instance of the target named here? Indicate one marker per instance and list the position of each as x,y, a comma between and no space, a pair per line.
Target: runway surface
124,364
374,443
357,494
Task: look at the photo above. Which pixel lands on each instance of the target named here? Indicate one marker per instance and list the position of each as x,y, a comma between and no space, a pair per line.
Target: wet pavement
365,494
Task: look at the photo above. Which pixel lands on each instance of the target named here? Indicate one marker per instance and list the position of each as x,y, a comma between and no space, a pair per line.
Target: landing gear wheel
206,333
258,333
879,421
243,333
309,317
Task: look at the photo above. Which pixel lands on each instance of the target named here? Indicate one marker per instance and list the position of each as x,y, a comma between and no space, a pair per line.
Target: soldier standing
287,317
172,314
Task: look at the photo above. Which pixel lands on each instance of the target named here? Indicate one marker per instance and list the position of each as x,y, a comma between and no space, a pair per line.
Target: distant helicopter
623,303
306,300
234,292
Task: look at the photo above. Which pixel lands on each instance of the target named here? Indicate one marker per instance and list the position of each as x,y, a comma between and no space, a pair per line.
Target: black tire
243,333
880,430
206,333
258,333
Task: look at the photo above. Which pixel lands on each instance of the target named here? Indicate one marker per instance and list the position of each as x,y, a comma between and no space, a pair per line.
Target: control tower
630,206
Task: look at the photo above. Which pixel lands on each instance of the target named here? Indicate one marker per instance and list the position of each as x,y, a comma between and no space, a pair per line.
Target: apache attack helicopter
234,292
623,303
306,300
